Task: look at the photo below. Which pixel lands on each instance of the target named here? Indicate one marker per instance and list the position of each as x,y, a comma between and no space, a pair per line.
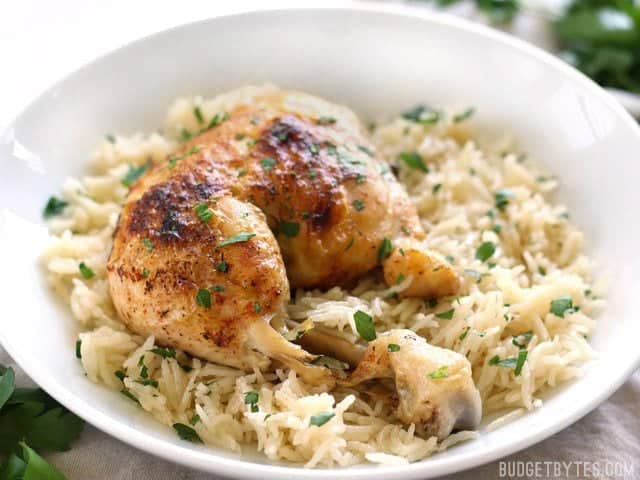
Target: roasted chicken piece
434,385
284,189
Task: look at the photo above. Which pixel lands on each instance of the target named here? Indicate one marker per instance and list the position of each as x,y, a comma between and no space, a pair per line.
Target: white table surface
43,40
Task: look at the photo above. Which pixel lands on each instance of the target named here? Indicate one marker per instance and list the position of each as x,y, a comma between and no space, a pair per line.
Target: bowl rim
205,459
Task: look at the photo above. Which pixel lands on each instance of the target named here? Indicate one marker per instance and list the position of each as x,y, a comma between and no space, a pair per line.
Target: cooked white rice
538,259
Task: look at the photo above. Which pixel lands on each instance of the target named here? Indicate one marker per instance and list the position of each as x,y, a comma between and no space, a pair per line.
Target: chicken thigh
282,190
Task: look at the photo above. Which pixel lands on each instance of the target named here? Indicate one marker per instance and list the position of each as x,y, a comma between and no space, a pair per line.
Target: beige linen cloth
607,438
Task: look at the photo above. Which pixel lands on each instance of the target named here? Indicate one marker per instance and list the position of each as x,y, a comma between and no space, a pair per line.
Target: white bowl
377,63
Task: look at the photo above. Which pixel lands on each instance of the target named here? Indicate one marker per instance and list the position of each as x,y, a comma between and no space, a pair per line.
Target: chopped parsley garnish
204,212
217,119
185,134
164,352
239,136
251,398
514,362
526,337
313,148
542,271
385,249
485,251
468,113
148,244
237,238
422,114
312,174
110,138
78,348
436,188
149,382
242,172
185,432
267,163
222,266
561,306
446,315
86,272
400,278
120,374
290,229
497,229
217,288
195,419
393,347
54,207
130,396
145,272
358,205
366,150
256,307
463,335
198,114
414,160
501,198
326,120
134,173
360,179
439,373
203,298
320,419
176,158
364,325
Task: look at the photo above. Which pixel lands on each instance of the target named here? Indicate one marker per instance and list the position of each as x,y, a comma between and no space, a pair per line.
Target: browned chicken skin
285,181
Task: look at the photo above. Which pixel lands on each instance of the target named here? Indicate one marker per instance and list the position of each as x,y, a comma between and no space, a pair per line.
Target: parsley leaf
393,347
54,207
203,298
290,229
485,251
164,352
414,160
320,419
185,432
86,272
267,163
237,238
385,249
364,325
439,373
561,306
204,212
134,173
447,315
422,114
461,117
501,198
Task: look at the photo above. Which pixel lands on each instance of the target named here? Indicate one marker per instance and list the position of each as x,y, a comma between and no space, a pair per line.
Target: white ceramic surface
377,62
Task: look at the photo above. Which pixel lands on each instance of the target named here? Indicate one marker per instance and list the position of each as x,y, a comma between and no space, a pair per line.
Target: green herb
242,172
485,251
204,212
358,205
222,266
439,373
526,338
326,121
561,306
393,347
217,288
164,352
313,148
239,136
320,419
468,113
432,302
145,272
400,278
447,315
185,432
501,198
86,272
134,173
267,163
195,419
463,335
54,207
450,259
366,150
522,357
385,249
78,349
251,398
312,174
360,179
144,371
507,362
237,238
436,188
256,307
148,244
198,114
185,135
497,229
414,160
602,39
120,374
130,396
203,298
25,463
542,271
110,138
217,119
175,159
290,229
364,325
422,114
148,382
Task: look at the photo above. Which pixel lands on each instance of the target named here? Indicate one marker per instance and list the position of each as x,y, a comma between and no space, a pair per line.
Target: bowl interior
378,64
